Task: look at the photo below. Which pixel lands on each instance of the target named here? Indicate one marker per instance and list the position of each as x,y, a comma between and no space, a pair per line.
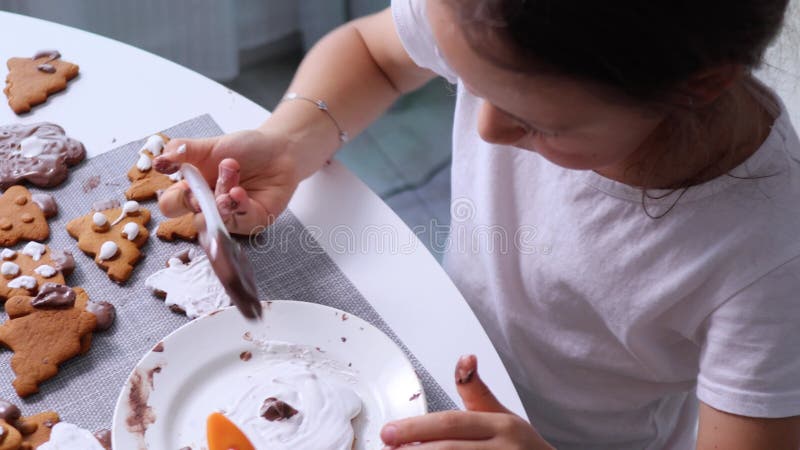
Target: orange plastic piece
222,434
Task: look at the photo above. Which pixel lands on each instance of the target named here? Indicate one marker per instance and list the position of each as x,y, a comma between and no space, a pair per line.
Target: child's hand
485,425
253,173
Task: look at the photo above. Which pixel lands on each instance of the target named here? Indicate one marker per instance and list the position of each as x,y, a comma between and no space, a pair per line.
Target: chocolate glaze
140,414
46,203
46,68
62,261
9,411
159,348
50,54
104,438
54,296
274,409
245,356
104,312
103,205
49,168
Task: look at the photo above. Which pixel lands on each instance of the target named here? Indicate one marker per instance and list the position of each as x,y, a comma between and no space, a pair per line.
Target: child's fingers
228,176
473,391
177,200
194,151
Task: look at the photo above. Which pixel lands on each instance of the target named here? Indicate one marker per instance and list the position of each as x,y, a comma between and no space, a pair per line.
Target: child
662,180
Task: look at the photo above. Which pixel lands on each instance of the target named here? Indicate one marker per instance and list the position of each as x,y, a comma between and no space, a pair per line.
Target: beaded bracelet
322,106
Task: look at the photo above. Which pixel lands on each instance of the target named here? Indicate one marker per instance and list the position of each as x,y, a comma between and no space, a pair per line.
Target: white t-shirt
612,323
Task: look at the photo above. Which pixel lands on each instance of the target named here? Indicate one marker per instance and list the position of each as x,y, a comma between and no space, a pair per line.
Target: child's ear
706,86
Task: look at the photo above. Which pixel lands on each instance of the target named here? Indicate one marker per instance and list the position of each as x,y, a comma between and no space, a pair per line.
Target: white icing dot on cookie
107,251
131,206
24,281
144,163
35,250
99,219
154,145
130,231
9,269
182,149
7,254
45,271
32,146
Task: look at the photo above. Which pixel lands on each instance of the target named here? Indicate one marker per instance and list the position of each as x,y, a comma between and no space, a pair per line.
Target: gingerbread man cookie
23,217
178,228
31,80
46,330
23,271
189,285
26,432
39,153
145,181
113,237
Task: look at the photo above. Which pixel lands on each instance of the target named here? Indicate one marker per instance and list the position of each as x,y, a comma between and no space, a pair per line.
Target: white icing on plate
193,287
202,372
321,391
66,436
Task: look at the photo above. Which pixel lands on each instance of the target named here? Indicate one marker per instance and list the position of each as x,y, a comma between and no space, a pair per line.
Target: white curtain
206,35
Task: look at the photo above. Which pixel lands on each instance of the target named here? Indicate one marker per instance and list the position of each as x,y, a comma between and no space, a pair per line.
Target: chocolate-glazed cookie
39,153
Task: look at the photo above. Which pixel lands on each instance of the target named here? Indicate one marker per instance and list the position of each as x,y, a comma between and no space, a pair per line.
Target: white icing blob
32,146
181,149
130,206
7,253
23,281
99,219
45,271
66,436
35,250
144,163
107,251
154,145
193,287
9,269
130,230
177,176
325,402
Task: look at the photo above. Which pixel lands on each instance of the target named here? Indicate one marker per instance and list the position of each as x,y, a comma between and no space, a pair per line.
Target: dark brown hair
641,48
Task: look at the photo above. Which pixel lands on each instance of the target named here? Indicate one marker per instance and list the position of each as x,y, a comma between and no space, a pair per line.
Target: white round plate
200,370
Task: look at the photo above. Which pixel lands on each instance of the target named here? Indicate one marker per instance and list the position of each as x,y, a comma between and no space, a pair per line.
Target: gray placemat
289,264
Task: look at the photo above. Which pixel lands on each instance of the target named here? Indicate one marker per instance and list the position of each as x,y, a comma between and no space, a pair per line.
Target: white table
124,94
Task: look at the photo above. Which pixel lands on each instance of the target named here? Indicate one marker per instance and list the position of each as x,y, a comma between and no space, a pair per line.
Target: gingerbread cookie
113,237
145,181
23,217
32,431
46,330
39,153
189,285
23,271
178,228
31,80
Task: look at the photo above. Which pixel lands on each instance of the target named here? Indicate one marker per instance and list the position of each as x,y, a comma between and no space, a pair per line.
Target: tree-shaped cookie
31,80
23,217
44,331
145,181
113,237
178,228
23,271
